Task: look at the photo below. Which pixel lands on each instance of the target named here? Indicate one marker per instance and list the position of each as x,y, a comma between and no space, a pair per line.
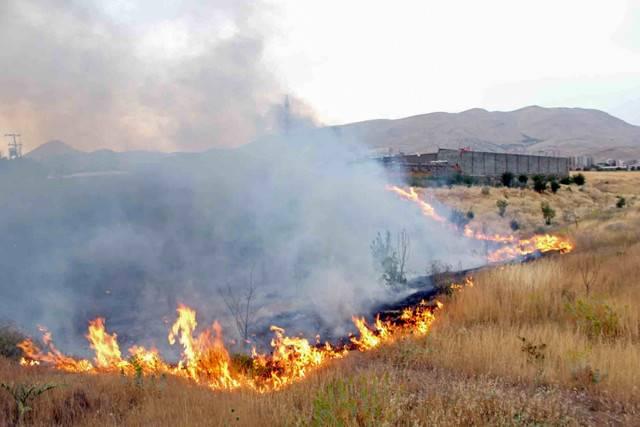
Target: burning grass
528,344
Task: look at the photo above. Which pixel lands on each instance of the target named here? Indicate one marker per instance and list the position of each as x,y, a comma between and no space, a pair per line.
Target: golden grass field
579,363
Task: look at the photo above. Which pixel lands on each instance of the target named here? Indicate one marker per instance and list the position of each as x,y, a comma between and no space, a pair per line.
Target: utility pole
15,147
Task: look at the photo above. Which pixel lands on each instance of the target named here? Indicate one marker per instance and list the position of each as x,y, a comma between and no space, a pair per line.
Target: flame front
206,361
513,246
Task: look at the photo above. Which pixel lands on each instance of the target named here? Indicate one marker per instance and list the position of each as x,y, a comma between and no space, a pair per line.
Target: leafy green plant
594,319
548,213
554,186
579,179
621,203
345,402
523,179
515,225
507,179
566,180
23,395
470,214
502,206
539,183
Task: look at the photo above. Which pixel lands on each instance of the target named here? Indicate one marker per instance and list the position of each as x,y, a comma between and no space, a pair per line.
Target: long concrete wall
477,163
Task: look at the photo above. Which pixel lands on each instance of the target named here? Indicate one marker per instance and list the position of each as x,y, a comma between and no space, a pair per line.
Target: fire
206,361
513,246
413,196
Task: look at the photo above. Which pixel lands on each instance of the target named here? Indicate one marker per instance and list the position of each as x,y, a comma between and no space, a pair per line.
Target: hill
564,131
60,158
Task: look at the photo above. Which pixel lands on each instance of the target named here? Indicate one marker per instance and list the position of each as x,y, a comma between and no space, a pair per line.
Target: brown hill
562,131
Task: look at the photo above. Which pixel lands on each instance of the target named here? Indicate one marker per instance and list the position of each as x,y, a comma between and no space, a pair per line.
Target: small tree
515,226
470,214
539,183
507,179
240,303
547,212
523,179
589,271
621,203
390,260
502,206
554,186
579,179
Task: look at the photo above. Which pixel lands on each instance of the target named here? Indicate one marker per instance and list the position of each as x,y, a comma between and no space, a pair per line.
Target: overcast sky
189,75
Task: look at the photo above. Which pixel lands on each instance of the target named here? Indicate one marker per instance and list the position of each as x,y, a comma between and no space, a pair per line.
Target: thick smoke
170,76
295,215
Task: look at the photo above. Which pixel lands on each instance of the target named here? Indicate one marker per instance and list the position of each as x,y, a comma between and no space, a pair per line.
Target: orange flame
206,361
514,247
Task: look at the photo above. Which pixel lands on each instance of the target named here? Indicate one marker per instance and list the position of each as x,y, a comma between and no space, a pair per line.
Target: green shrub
555,186
548,213
566,180
345,402
579,179
523,179
594,319
539,183
502,206
621,203
470,214
507,179
515,225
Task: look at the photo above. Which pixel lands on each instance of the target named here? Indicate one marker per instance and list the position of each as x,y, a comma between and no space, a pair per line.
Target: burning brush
206,361
512,246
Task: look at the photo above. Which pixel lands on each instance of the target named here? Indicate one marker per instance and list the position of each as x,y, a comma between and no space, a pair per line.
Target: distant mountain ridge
533,130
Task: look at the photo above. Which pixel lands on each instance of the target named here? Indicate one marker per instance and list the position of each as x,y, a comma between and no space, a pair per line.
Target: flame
206,361
413,196
513,246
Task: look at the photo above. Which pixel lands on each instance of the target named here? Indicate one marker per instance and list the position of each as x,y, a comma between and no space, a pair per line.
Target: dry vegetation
555,342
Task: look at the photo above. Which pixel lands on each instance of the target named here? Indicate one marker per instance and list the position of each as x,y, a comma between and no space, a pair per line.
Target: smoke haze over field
296,213
171,76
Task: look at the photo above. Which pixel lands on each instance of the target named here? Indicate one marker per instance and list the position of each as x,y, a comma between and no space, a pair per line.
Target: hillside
567,131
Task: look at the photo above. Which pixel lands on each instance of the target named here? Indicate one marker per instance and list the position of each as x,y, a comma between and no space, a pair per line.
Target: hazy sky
189,75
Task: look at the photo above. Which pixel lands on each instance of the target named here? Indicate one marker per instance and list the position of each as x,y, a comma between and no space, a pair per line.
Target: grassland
555,342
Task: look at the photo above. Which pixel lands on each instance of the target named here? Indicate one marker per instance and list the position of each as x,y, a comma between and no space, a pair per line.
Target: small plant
539,183
468,180
566,180
594,319
523,179
554,186
548,213
515,226
621,203
458,218
10,336
344,402
485,191
470,214
502,206
391,260
579,179
533,352
23,395
507,179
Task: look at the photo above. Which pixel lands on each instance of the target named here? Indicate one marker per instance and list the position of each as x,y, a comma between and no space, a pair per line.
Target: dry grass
579,365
